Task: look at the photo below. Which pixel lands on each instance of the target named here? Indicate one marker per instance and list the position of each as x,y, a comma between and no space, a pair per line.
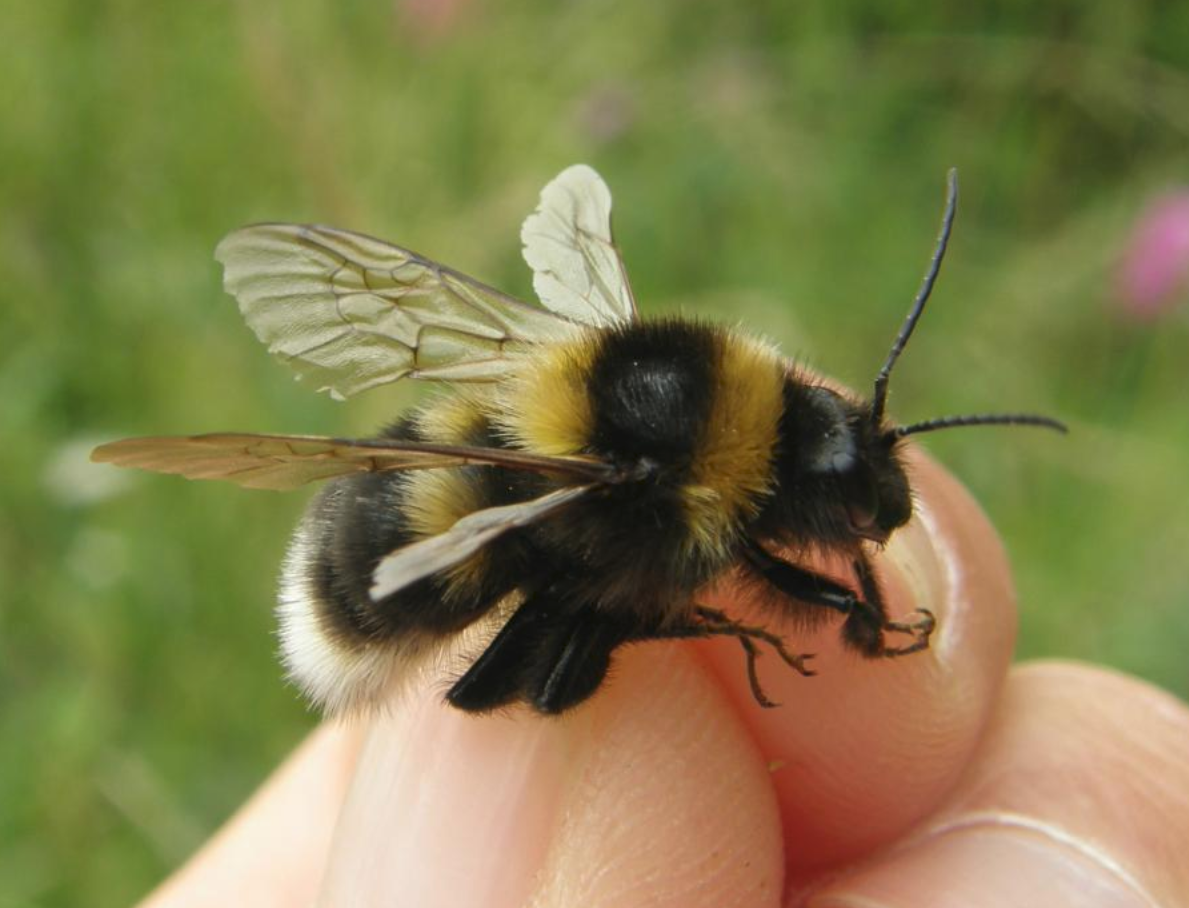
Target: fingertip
1075,796
869,746
1097,760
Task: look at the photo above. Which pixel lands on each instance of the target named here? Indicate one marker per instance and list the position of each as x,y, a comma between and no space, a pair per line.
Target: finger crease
1054,833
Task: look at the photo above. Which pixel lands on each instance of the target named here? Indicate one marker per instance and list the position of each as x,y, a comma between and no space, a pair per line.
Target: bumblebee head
839,479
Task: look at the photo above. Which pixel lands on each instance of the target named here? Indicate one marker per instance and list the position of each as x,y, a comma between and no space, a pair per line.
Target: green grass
778,164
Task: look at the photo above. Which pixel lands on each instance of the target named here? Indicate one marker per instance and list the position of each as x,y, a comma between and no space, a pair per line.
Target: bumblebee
590,474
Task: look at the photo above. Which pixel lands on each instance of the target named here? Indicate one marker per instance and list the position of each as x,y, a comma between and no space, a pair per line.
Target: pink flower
1154,274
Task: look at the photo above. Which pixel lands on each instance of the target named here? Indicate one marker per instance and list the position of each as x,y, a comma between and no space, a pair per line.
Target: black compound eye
829,441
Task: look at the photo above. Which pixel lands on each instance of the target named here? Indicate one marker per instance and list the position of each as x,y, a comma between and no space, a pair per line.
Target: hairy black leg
798,583
753,675
572,661
866,617
547,654
713,623
574,657
719,623
495,679
863,628
920,628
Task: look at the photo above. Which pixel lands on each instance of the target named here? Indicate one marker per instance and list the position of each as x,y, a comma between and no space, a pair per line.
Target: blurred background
776,164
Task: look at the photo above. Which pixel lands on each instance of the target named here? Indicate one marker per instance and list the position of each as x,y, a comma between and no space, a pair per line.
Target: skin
946,778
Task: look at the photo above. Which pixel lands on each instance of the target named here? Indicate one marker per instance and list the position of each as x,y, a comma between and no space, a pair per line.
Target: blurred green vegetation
776,164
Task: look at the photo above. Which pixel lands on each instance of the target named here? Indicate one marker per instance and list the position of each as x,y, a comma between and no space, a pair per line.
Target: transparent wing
577,270
289,461
351,312
420,559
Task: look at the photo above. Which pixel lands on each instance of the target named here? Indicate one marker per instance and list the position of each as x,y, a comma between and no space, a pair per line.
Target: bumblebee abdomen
340,646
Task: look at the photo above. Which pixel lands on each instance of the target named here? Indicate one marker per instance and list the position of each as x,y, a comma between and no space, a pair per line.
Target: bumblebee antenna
983,419
880,398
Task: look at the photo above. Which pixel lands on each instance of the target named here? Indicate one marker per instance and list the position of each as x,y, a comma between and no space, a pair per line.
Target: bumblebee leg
547,656
863,628
719,624
495,679
803,586
753,677
866,617
713,623
572,662
920,628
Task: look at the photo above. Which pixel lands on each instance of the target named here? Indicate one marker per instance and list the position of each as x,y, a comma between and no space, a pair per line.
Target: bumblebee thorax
699,403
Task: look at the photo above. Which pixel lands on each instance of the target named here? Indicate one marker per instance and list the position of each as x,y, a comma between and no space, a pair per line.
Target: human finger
271,854
1078,795
651,793
433,758
867,747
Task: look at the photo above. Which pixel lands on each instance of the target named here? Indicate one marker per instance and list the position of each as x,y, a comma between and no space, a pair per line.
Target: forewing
289,461
466,537
351,312
577,270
